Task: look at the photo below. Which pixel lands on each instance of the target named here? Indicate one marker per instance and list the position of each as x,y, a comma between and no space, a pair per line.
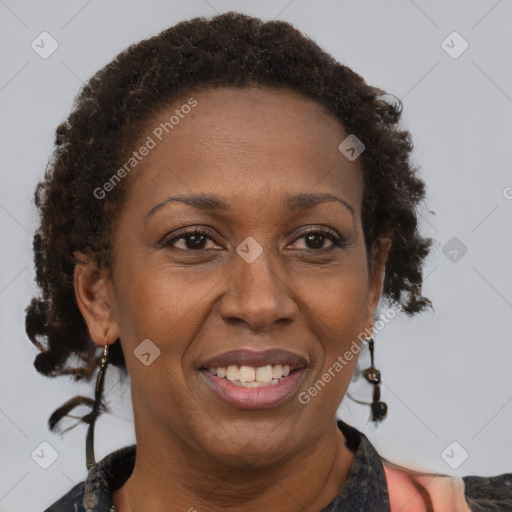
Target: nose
257,295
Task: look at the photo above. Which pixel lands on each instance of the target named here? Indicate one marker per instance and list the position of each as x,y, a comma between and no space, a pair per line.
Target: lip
255,358
254,398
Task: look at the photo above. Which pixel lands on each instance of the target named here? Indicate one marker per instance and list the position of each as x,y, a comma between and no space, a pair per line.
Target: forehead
249,145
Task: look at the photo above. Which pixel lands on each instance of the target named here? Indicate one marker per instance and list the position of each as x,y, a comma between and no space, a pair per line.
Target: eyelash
337,242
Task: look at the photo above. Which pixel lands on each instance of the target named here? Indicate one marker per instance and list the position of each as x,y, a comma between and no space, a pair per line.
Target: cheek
162,304
154,299
340,306
338,314
156,304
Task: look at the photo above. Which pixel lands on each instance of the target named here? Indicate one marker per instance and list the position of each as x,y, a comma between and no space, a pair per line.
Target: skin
254,148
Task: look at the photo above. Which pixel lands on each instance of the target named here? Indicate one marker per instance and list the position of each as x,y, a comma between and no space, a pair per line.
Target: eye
315,239
196,240
193,240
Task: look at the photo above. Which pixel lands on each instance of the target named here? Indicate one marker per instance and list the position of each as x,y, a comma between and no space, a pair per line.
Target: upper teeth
250,373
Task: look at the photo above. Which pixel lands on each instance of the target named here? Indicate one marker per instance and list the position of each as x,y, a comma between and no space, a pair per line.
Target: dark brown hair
231,50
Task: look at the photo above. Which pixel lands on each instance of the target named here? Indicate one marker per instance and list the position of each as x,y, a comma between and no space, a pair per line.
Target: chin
251,451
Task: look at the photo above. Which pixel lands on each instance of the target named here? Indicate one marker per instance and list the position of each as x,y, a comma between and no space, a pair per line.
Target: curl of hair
229,50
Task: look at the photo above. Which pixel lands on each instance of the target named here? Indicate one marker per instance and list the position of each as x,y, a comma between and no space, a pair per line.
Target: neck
307,482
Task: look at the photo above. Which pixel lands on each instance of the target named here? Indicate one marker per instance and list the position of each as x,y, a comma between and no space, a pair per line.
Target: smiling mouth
254,394
250,379
251,376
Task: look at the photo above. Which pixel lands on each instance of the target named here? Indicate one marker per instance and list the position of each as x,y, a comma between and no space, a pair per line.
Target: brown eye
315,240
195,240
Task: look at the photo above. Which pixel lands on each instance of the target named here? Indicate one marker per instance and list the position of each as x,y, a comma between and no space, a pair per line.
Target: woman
225,208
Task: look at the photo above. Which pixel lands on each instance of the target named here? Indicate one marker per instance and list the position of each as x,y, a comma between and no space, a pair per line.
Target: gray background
447,375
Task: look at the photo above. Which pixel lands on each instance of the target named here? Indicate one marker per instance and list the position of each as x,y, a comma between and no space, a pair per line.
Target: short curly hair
228,50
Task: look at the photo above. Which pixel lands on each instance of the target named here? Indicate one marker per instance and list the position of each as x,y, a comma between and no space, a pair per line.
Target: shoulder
489,494
72,501
412,491
94,494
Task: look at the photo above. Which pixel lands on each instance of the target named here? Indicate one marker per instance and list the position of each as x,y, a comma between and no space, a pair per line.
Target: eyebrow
212,203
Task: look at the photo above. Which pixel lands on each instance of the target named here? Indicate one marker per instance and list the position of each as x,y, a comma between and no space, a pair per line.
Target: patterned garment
373,485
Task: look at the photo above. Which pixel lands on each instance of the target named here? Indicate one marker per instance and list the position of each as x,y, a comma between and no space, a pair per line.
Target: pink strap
422,492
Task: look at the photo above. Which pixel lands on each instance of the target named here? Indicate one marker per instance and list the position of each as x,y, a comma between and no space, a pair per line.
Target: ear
94,296
376,278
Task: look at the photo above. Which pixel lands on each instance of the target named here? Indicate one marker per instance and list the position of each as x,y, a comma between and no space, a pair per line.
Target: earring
372,375
91,418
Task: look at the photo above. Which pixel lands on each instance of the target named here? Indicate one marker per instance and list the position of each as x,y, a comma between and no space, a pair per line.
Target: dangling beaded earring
91,418
372,375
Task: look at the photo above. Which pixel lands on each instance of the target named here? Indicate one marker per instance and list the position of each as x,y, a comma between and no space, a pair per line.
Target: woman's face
256,282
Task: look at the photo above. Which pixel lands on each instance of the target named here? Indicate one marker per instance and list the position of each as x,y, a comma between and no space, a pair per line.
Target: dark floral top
373,485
